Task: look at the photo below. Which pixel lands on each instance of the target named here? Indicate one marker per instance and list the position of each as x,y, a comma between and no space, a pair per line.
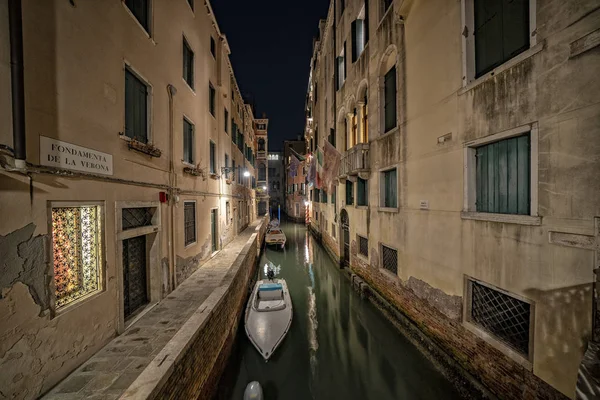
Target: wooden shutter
136,94
503,176
515,27
488,35
390,99
188,142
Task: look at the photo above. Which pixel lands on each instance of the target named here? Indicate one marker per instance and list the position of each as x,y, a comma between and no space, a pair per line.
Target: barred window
389,259
137,217
502,315
363,246
189,216
77,252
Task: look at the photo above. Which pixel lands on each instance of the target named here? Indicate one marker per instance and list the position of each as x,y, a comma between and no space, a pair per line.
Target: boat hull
267,329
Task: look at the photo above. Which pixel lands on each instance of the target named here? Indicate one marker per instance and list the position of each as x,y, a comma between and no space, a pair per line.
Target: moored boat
268,315
274,237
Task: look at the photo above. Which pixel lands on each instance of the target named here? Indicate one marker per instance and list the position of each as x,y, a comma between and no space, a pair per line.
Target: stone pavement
108,373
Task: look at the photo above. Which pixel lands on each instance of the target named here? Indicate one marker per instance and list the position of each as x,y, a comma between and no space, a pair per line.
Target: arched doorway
345,242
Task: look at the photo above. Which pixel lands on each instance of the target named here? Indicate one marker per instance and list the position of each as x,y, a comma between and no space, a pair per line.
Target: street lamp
246,173
306,203
264,188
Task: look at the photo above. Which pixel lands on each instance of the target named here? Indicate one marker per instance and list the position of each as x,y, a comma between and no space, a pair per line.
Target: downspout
15,22
171,90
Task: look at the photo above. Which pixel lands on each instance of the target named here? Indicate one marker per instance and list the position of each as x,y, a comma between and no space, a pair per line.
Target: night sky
271,45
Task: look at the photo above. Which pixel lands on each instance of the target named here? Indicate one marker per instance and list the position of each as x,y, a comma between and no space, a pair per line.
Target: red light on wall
163,197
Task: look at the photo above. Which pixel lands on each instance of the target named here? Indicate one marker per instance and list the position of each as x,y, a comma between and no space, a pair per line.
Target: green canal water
339,345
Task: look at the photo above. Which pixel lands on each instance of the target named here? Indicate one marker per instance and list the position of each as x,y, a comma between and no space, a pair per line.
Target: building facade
276,181
262,154
139,166
294,164
467,192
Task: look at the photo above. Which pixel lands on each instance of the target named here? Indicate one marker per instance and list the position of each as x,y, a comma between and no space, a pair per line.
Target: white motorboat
268,315
275,236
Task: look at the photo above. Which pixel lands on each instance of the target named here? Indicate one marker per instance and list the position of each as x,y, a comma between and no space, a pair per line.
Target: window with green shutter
136,108
362,193
141,11
349,193
188,141
389,189
501,32
213,158
390,99
188,64
503,176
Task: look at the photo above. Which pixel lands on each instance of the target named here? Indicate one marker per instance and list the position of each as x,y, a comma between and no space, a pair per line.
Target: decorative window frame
470,178
54,312
525,362
468,44
149,103
154,275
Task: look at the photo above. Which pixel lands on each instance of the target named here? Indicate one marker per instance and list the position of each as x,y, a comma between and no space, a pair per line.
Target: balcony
355,161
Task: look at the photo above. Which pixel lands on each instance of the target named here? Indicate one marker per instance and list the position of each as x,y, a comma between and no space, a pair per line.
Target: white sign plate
59,154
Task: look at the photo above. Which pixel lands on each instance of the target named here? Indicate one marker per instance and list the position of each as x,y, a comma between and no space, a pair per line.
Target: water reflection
338,347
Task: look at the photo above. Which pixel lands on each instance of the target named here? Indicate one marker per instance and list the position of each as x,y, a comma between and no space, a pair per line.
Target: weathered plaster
187,266
450,306
23,260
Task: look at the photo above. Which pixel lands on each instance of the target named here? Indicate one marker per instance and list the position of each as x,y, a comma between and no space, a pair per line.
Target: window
211,99
358,38
503,176
331,137
262,173
136,217
240,141
502,315
389,189
189,222
233,130
349,193
333,195
389,259
136,108
227,161
501,31
323,196
333,230
362,192
232,169
188,64
191,3
297,210
261,144
390,99
363,246
385,6
213,47
141,11
188,142
342,6
213,158
226,120
341,68
227,212
77,252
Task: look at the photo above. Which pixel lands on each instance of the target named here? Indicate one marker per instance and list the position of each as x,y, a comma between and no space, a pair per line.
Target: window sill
189,86
502,68
499,345
389,209
362,207
386,134
502,218
144,148
55,313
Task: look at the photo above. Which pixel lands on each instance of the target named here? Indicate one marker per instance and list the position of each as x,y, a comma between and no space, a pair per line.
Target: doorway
135,283
345,225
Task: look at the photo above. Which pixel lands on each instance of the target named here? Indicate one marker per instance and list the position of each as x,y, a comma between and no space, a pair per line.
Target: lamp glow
264,188
246,174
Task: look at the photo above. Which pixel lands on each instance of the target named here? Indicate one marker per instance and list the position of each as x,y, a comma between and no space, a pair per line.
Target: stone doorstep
155,340
149,382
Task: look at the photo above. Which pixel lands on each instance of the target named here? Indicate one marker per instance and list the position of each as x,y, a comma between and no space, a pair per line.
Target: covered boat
274,237
268,315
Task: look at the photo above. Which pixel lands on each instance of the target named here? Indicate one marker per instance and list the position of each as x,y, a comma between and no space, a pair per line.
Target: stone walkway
110,371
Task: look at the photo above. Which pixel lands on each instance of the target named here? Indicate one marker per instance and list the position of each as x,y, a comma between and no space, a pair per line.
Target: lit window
77,255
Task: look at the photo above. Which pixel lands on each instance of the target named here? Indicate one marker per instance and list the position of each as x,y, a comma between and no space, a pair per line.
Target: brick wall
497,372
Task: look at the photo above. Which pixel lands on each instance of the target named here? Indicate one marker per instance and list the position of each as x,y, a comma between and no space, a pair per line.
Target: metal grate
502,315
135,293
136,217
390,259
189,216
363,246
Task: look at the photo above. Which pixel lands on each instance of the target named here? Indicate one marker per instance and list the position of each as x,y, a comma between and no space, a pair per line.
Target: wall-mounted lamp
246,173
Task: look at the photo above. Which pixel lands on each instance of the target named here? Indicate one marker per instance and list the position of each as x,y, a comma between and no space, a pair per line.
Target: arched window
261,144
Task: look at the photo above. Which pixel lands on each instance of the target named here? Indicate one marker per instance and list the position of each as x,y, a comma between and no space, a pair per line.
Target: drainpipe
171,90
15,22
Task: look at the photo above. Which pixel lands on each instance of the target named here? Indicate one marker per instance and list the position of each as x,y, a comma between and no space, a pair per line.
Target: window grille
77,255
363,246
390,259
189,215
137,217
502,315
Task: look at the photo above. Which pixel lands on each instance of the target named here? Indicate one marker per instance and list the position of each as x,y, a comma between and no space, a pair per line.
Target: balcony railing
355,160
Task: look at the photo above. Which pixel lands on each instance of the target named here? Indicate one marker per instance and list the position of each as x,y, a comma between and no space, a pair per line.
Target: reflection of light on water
306,255
313,343
276,269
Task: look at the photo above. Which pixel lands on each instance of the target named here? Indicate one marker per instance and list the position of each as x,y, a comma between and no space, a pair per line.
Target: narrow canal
339,346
